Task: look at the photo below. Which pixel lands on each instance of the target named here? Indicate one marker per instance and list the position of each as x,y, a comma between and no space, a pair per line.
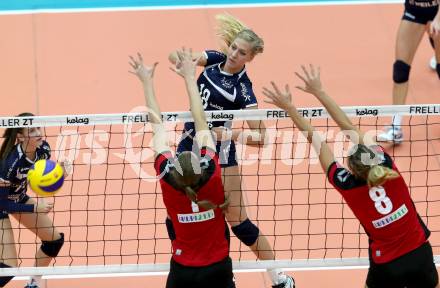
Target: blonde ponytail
379,174
229,28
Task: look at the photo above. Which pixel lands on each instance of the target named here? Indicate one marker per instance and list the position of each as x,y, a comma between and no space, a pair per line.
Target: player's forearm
335,111
195,102
302,124
151,102
251,137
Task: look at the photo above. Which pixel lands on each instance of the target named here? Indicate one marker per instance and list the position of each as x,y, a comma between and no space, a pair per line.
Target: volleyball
45,177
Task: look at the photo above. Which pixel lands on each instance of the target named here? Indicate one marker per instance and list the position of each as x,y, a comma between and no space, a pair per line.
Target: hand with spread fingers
144,73
185,64
311,78
278,98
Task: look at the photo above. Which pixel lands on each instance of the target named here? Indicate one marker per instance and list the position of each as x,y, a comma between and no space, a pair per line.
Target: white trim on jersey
242,72
227,95
21,153
224,72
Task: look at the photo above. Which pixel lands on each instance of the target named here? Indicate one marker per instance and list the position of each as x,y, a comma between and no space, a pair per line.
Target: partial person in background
20,149
400,254
419,16
192,191
225,85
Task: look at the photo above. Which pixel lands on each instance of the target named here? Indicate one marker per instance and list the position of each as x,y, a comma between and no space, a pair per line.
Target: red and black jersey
386,212
201,236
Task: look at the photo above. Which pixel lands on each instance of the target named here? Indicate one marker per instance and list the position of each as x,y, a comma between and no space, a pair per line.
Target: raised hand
185,65
43,207
67,167
311,79
143,72
278,98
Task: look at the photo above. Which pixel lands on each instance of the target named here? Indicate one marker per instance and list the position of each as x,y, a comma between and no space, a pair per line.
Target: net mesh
111,211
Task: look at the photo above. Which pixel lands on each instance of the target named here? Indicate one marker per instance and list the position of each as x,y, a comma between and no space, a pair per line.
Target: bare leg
42,226
8,253
408,39
236,214
7,249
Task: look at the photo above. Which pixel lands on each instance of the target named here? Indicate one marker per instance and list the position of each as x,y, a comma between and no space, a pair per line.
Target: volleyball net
111,211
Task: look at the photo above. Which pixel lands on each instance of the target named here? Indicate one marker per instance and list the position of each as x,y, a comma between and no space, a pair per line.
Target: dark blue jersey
221,90
14,169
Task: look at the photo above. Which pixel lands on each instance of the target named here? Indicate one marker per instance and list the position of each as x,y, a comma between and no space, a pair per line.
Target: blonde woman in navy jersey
400,254
192,191
20,149
224,85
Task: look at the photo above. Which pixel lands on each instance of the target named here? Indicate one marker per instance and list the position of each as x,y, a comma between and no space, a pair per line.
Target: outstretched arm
312,81
200,56
187,69
283,101
145,75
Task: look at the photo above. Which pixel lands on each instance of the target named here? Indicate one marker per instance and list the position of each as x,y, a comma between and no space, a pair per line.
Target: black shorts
226,150
23,200
415,269
420,15
217,275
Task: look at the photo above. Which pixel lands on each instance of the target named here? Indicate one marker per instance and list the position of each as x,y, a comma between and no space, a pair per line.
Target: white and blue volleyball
45,177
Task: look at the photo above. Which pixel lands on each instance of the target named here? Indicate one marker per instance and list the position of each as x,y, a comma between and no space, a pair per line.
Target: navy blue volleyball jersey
221,90
14,169
422,3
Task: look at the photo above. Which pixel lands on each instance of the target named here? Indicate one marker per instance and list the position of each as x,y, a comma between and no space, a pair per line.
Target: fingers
275,87
196,61
174,69
141,60
305,72
268,93
269,102
177,71
287,89
312,70
154,68
301,88
300,77
132,62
